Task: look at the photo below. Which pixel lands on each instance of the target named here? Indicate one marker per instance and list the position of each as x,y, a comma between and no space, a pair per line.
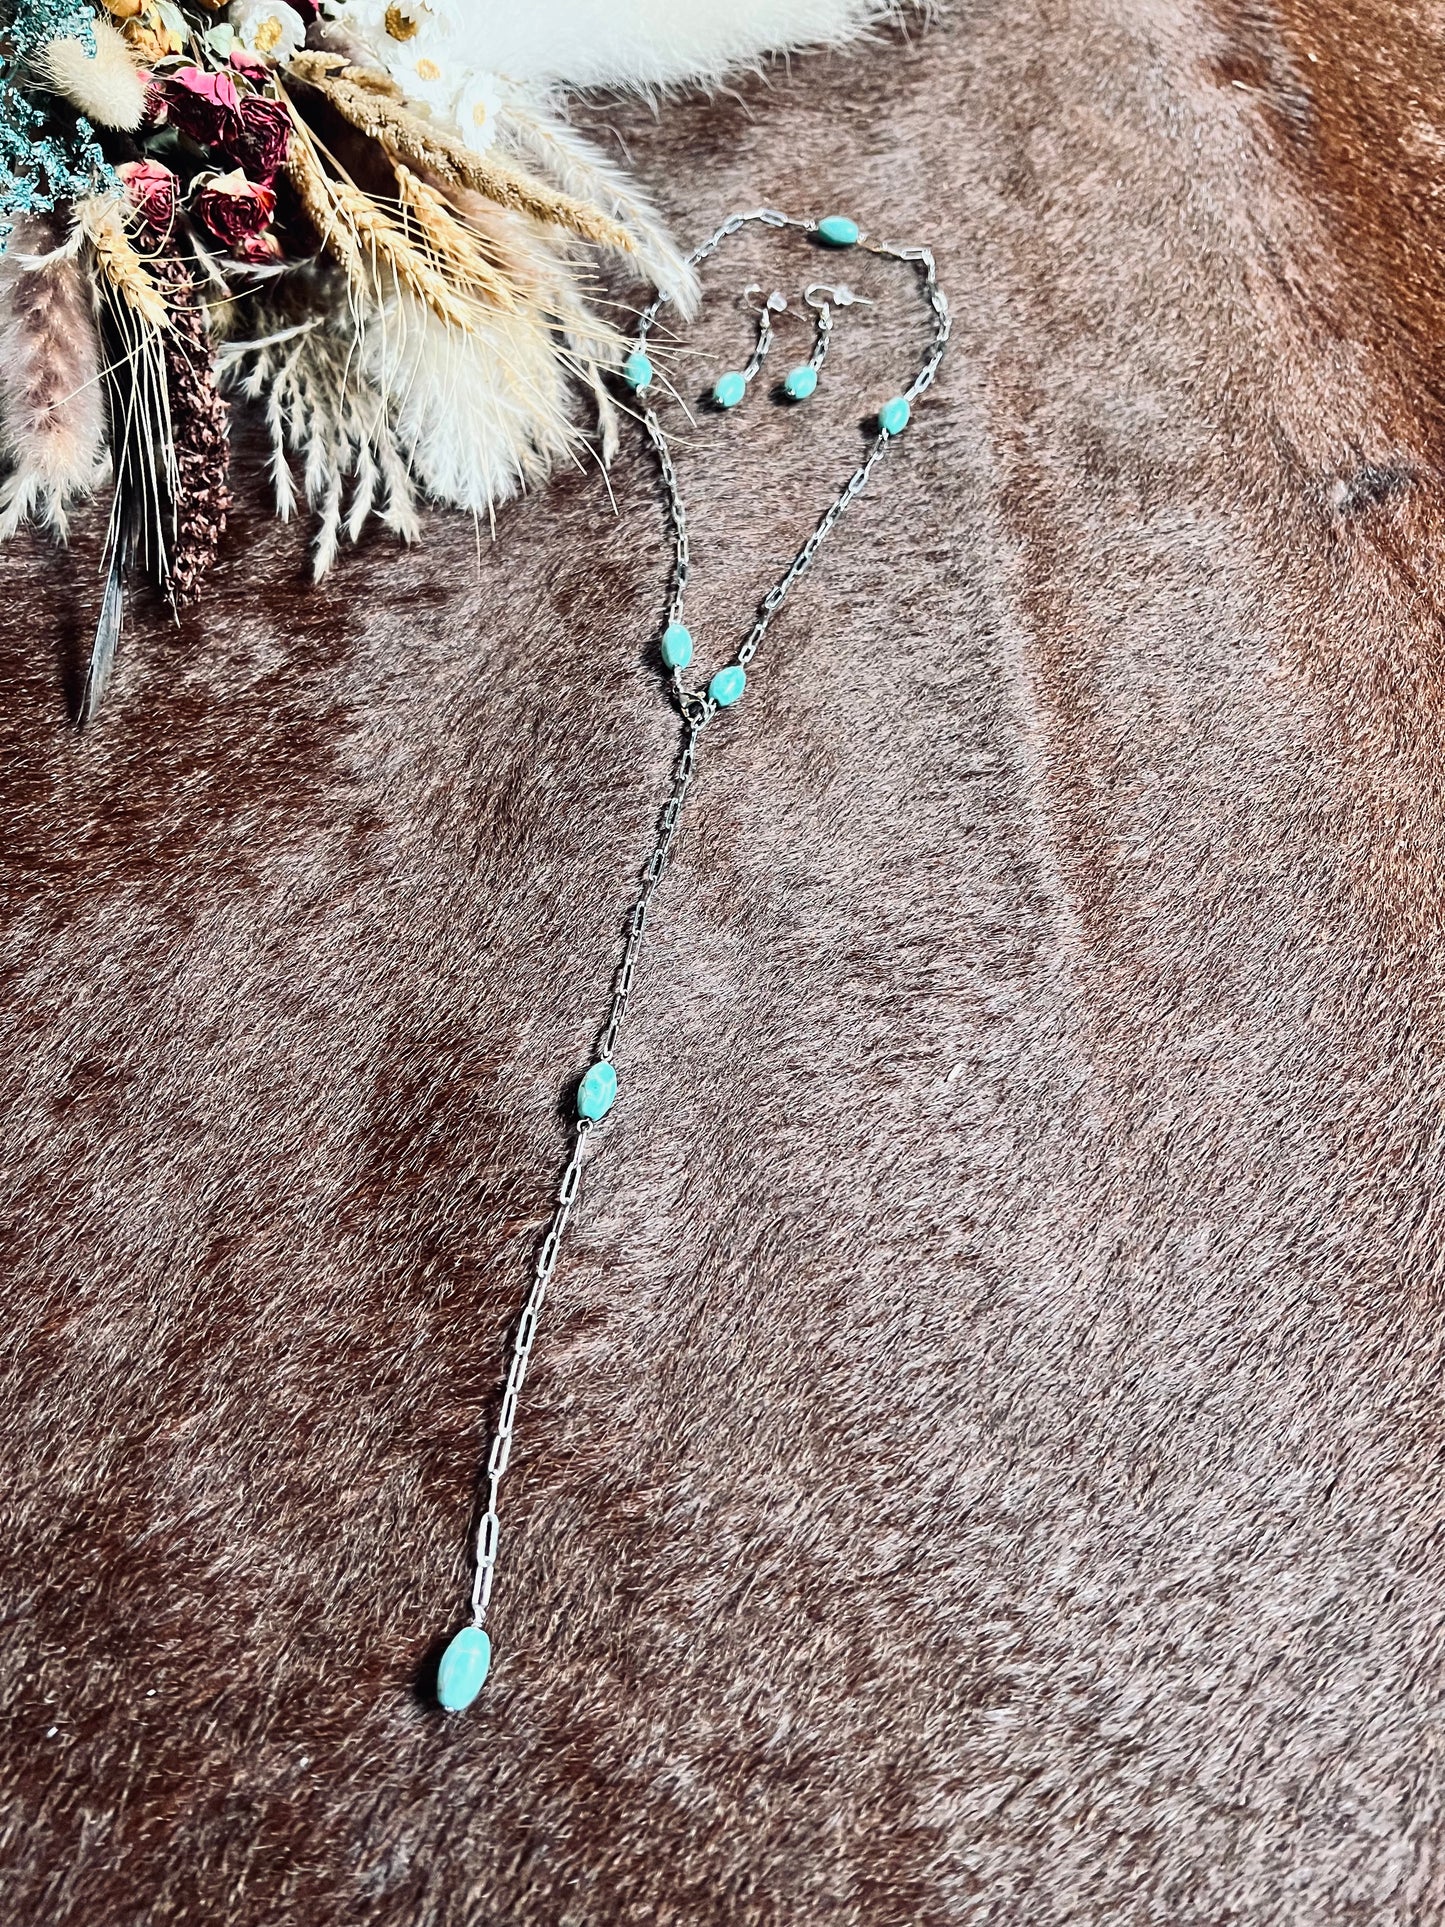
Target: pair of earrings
800,382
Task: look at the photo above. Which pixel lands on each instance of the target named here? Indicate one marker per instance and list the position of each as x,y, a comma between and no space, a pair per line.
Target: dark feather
143,507
107,632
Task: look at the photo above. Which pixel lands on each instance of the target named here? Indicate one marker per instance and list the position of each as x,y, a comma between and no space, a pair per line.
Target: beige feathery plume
52,409
320,409
477,413
102,80
406,136
550,295
103,222
563,157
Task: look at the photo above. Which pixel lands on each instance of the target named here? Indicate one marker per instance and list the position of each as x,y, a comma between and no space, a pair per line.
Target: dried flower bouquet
334,217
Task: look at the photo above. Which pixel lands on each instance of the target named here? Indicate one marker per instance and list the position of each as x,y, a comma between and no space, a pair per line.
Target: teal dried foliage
47,153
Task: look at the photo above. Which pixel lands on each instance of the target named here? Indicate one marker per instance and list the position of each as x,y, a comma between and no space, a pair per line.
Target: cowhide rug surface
983,1461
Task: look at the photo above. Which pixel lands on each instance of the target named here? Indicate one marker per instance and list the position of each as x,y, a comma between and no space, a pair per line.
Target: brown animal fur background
984,1456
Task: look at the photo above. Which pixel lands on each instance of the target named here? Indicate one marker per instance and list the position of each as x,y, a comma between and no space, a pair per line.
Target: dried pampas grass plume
475,414
524,251
52,410
103,82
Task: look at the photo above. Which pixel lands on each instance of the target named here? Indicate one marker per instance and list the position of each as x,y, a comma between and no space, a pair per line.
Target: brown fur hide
983,1458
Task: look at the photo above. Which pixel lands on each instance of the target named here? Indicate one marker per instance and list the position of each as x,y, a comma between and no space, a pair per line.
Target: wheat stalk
563,157
405,136
451,241
388,246
363,238
318,203
103,223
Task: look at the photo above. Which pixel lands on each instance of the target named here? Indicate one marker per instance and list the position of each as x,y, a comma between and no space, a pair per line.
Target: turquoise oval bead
729,389
676,646
464,1668
596,1092
637,370
727,685
893,415
838,231
799,383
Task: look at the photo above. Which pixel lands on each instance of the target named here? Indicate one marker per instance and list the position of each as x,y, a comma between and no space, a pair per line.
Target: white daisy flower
475,110
424,78
408,39
394,31
267,27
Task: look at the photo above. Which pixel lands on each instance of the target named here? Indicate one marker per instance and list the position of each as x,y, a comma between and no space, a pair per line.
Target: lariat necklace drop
467,1658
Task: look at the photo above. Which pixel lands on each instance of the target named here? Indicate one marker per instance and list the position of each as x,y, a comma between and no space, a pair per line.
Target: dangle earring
801,381
729,389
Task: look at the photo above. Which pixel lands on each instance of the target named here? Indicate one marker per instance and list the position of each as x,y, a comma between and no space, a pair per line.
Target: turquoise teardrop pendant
800,382
729,389
463,1670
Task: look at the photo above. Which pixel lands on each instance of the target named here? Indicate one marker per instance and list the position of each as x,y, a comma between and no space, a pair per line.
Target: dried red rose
237,212
205,106
151,191
261,142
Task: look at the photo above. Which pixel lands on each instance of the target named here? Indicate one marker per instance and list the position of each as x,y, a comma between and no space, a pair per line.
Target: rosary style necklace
467,1659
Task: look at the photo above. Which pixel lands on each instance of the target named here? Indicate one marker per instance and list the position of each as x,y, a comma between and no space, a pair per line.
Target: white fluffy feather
647,43
475,414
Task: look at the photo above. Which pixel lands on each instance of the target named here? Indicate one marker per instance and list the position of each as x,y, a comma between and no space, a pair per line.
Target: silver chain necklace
467,1659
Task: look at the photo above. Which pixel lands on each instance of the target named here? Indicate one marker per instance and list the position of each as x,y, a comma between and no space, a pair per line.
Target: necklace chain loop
696,709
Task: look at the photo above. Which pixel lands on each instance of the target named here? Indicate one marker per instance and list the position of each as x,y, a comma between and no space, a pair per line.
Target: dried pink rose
258,248
262,139
151,191
238,212
205,106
